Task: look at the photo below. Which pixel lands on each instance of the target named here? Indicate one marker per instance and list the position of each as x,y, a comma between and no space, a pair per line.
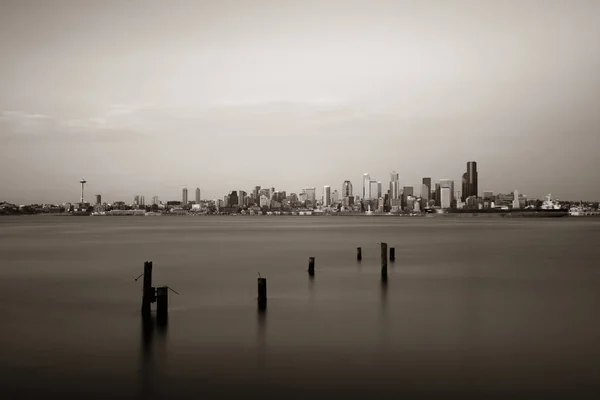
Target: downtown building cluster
371,197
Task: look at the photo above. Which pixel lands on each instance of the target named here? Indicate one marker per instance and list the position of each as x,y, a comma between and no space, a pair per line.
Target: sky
144,97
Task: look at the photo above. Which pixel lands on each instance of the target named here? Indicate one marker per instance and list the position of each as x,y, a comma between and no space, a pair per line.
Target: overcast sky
142,97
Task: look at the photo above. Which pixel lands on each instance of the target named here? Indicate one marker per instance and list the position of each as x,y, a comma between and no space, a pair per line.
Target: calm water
471,307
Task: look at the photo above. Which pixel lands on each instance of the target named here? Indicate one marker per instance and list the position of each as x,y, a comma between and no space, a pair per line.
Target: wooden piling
148,294
358,253
311,266
392,253
262,293
162,303
384,260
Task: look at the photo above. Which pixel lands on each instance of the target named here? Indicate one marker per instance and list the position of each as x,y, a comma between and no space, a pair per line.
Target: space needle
83,182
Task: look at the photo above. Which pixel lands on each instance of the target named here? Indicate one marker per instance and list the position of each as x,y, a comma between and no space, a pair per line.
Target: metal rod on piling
384,260
358,253
392,253
148,295
311,266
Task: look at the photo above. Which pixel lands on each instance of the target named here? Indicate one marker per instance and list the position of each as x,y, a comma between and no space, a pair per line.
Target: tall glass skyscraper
472,186
347,189
326,195
426,188
184,197
366,186
394,185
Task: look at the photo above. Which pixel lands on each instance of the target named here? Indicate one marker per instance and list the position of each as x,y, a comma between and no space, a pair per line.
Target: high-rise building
472,182
465,187
347,189
335,197
394,185
136,199
379,189
373,187
197,195
241,198
311,194
98,199
256,193
155,200
447,193
426,188
233,199
366,186
438,195
142,201
184,197
326,195
446,197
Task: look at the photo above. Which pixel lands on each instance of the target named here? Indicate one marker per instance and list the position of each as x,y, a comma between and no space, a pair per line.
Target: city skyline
413,190
379,86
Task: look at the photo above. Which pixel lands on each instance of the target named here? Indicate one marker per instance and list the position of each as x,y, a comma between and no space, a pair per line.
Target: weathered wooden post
358,253
262,293
311,266
384,261
148,294
392,253
162,303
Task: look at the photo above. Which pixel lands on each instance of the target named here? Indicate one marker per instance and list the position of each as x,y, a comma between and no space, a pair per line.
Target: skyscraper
465,188
233,199
136,199
98,199
335,197
155,200
256,194
326,195
394,185
379,189
446,198
142,201
447,193
184,197
310,194
438,197
197,195
366,186
426,188
472,184
242,198
373,187
427,183
347,189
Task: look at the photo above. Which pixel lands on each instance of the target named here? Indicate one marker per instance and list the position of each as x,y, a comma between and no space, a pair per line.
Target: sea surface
472,307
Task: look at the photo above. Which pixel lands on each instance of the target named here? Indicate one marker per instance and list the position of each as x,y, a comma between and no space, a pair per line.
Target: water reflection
311,290
261,337
154,336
